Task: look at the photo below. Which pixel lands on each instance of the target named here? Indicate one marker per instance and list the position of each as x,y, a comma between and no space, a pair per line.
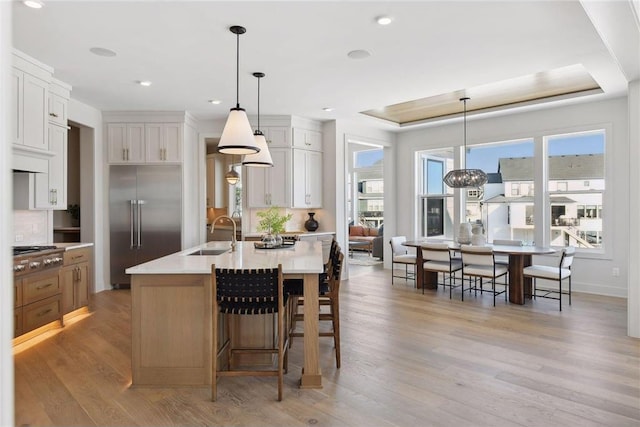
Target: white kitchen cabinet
51,188
163,142
307,139
29,126
307,179
58,104
126,142
45,190
144,142
270,186
277,136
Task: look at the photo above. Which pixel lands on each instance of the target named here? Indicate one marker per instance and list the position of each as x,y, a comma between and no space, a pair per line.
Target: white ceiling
187,51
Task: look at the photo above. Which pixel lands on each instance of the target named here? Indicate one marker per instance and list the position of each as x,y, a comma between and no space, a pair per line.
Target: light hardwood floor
407,359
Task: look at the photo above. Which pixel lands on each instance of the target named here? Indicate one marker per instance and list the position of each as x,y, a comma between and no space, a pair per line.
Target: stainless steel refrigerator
145,204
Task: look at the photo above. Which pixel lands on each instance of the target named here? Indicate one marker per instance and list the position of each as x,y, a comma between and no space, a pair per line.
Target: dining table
519,258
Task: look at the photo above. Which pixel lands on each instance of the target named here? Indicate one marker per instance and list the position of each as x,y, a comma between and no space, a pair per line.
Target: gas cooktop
21,250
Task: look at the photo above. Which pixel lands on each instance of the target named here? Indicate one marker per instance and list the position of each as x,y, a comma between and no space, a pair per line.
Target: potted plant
74,211
273,223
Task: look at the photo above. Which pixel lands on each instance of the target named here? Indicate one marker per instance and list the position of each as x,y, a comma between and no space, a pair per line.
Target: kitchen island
171,310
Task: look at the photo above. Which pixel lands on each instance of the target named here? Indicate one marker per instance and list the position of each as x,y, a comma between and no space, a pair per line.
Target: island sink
210,251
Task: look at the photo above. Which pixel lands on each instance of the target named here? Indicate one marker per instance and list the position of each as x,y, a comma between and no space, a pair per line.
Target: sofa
372,236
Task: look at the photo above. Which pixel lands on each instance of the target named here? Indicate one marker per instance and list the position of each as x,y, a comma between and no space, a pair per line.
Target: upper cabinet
277,136
270,186
307,139
295,180
125,142
39,135
30,82
163,142
307,179
149,141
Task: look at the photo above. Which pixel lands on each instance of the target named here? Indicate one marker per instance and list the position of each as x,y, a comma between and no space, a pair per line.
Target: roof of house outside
561,168
528,199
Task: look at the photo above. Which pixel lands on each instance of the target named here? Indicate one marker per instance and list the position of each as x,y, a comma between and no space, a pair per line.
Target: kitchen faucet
233,236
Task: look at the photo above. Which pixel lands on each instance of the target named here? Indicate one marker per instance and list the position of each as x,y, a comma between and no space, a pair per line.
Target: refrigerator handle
131,222
140,203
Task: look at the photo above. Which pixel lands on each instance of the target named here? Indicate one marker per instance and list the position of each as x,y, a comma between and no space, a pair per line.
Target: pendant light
465,178
237,137
263,158
232,176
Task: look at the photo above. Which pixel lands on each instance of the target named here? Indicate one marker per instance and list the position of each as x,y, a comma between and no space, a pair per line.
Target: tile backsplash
29,228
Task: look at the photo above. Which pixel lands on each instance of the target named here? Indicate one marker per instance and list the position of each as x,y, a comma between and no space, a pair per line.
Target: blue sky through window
365,159
486,158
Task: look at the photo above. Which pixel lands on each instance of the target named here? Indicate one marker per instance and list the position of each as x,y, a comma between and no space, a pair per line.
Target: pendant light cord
258,103
464,100
237,70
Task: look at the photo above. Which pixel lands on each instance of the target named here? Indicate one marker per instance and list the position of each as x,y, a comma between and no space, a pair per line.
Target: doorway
365,206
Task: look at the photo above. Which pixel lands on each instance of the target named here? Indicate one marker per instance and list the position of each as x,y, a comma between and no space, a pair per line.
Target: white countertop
303,257
72,245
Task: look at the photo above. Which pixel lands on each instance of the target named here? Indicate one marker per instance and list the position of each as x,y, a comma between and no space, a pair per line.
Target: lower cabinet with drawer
74,279
38,301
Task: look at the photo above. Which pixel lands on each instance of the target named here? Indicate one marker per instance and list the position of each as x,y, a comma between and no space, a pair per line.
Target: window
436,199
506,206
576,188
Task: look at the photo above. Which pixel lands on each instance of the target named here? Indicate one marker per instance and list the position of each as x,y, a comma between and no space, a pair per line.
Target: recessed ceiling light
359,54
101,51
327,109
144,83
214,101
33,4
384,20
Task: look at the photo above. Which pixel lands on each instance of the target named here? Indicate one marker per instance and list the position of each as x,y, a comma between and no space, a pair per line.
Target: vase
464,233
311,224
269,240
477,238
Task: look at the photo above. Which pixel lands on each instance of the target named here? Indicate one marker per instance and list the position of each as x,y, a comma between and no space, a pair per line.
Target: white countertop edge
305,258
73,245
293,233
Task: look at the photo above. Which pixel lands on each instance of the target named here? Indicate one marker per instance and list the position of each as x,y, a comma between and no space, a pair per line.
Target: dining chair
552,273
437,258
504,259
478,262
247,292
400,255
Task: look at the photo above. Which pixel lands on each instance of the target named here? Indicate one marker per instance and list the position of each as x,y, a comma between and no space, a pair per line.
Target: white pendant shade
237,136
261,159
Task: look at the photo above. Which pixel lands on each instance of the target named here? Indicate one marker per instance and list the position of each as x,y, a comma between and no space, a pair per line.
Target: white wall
93,169
633,302
592,273
336,135
6,224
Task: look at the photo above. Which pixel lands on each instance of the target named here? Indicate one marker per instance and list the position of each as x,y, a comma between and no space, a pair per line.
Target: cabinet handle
127,154
55,196
43,286
307,143
47,311
53,114
124,154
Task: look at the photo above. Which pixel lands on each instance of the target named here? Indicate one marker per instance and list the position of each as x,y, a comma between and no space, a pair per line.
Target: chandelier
465,178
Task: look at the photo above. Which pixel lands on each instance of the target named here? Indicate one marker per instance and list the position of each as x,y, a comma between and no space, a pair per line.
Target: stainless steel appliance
145,204
32,259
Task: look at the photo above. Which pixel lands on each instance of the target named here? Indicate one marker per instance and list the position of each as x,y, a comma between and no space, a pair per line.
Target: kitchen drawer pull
42,313
53,114
44,286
